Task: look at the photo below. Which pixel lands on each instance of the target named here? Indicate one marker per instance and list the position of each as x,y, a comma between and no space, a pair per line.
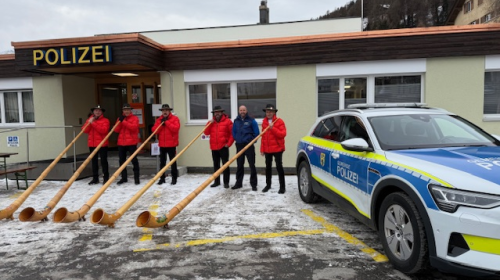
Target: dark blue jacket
245,130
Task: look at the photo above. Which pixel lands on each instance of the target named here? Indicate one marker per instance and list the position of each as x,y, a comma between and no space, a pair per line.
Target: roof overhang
86,55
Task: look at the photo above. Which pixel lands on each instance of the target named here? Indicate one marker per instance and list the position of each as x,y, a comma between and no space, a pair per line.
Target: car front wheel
305,183
402,233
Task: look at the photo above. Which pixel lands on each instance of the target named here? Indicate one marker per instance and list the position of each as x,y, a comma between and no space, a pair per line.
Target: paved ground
221,234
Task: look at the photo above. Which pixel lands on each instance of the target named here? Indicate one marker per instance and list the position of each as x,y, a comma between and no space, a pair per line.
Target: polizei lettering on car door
343,170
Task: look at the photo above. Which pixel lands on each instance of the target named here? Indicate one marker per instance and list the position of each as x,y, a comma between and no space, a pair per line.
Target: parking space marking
148,232
16,195
378,257
327,227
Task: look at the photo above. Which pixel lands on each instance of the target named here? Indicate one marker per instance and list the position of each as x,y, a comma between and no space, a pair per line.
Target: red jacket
168,134
220,133
97,131
128,131
273,141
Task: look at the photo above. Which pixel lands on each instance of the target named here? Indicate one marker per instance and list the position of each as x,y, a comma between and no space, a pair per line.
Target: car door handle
310,148
335,155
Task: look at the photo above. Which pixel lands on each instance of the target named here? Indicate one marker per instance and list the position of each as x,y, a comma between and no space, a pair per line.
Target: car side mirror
496,136
356,145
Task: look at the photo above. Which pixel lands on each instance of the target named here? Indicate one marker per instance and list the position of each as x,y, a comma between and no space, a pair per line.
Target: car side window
353,127
328,128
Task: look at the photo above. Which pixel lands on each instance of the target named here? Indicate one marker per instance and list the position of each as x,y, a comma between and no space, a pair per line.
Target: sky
31,20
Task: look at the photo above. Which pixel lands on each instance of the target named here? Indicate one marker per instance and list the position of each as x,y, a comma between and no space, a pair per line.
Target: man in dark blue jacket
245,129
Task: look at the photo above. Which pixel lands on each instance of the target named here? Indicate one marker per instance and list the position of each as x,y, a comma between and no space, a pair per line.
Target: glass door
111,98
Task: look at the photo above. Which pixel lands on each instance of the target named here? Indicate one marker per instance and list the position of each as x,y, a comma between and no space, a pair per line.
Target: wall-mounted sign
12,141
73,55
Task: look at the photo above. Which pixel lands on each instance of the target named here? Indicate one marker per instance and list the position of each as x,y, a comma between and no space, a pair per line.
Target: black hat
166,107
270,107
218,109
126,106
97,107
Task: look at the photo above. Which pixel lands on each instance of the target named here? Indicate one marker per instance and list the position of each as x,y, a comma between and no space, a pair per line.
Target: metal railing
24,154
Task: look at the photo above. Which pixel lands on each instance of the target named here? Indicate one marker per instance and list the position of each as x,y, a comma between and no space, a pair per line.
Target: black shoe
281,191
236,187
266,189
105,179
254,188
162,181
226,186
136,181
94,181
214,185
174,181
122,180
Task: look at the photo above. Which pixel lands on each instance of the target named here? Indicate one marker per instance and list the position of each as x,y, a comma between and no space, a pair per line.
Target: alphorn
100,217
146,219
7,212
30,215
62,215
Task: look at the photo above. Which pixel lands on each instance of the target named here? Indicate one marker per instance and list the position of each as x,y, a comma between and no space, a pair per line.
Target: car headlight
448,199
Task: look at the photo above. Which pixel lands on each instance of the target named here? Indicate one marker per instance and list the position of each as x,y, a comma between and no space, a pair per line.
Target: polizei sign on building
73,55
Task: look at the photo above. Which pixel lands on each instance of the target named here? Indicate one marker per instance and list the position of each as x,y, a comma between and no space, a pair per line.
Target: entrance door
111,99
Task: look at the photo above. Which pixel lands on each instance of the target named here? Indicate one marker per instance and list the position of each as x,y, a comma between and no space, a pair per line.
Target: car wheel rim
399,232
304,181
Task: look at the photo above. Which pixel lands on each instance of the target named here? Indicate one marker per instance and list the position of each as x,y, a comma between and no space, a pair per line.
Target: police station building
305,68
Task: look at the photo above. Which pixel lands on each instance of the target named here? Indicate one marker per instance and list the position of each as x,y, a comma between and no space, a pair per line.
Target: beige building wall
47,140
297,103
457,85
78,98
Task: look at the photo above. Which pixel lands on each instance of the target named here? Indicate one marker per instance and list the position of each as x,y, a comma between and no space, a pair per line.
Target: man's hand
271,126
121,118
262,153
164,119
212,120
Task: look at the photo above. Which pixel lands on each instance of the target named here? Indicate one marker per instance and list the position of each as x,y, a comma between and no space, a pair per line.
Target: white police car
427,180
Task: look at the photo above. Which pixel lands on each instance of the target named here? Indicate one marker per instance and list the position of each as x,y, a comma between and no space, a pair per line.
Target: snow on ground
230,212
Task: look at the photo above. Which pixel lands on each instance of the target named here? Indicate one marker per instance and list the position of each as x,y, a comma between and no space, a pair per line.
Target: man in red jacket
168,140
97,130
221,138
273,145
128,137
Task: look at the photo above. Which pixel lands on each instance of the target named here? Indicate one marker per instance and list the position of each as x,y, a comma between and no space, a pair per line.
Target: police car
427,180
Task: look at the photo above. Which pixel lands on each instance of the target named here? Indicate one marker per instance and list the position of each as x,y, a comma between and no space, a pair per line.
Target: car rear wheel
305,183
402,233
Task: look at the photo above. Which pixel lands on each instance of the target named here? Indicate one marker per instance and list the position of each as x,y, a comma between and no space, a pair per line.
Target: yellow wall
297,105
78,98
457,85
47,143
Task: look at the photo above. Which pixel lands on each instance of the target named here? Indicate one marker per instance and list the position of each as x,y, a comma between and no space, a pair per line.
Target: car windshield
418,131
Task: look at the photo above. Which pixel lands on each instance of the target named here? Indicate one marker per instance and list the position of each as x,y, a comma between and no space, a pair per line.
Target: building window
328,95
198,105
355,91
474,22
339,93
398,89
491,93
486,18
221,96
468,6
254,95
16,107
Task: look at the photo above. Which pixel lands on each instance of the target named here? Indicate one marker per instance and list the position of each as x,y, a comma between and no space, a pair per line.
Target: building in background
304,68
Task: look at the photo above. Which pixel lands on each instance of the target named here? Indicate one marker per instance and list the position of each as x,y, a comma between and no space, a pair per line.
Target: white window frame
370,70
3,123
492,64
228,76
